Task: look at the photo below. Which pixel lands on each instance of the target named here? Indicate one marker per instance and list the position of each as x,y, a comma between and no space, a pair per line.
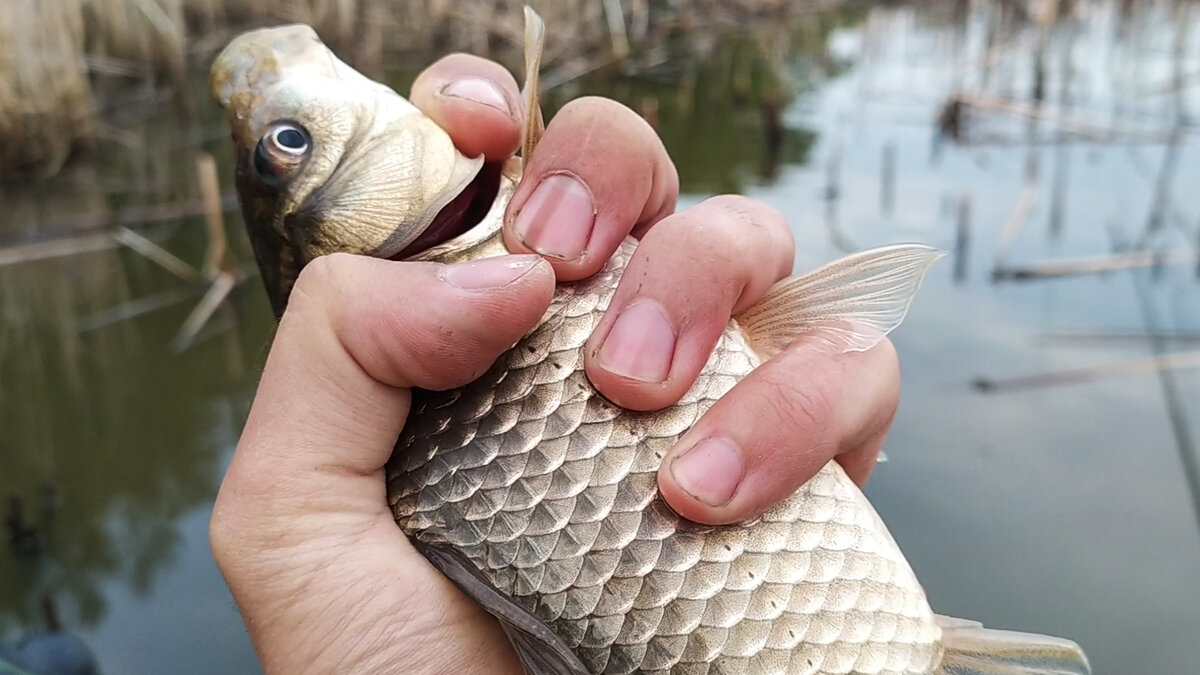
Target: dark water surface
1061,507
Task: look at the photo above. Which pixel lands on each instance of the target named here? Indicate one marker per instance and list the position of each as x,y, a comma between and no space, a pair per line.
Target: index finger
476,101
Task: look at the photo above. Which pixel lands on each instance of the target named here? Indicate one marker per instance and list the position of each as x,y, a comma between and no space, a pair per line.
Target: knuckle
757,233
322,279
744,213
688,229
800,404
324,274
889,372
696,236
221,537
608,125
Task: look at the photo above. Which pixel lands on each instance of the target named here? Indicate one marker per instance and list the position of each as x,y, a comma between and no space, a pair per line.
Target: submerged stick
615,16
156,254
1017,219
88,225
216,257
962,240
1113,337
1092,130
217,292
1093,265
135,308
56,248
1148,364
887,180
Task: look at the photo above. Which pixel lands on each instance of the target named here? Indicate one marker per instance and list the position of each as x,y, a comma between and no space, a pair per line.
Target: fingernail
557,218
640,344
489,272
710,471
477,90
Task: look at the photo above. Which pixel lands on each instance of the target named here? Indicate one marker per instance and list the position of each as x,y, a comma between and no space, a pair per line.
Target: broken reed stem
56,248
1093,265
1065,123
221,287
1147,364
216,257
135,308
615,16
156,254
137,215
1017,219
962,246
1108,338
887,180
60,56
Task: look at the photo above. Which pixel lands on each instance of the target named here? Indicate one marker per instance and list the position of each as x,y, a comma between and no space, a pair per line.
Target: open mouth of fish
461,215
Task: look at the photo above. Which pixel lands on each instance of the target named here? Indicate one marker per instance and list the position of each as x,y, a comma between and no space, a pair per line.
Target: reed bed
64,61
45,94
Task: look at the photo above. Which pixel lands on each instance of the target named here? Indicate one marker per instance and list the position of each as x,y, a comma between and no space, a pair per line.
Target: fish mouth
461,215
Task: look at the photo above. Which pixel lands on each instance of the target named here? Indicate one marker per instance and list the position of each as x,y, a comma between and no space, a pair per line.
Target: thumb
301,526
359,332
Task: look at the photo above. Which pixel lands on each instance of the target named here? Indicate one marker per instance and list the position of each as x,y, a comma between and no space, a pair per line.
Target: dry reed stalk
149,33
45,97
156,254
1117,262
59,52
1147,364
217,257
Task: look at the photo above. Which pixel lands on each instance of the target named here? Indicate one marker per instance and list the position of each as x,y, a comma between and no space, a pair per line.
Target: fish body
535,494
551,492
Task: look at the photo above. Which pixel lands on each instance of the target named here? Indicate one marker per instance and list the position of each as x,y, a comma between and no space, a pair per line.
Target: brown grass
62,58
45,95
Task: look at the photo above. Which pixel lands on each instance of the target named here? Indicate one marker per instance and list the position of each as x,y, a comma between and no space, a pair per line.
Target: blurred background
1043,466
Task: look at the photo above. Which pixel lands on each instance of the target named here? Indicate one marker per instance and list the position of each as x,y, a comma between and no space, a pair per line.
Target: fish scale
551,492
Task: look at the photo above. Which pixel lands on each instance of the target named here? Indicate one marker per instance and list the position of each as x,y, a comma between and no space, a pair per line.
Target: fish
527,488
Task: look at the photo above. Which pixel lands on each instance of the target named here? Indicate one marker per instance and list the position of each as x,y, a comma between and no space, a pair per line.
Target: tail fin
855,301
972,649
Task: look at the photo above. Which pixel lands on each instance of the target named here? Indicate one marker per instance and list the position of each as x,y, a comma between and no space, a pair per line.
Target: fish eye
281,152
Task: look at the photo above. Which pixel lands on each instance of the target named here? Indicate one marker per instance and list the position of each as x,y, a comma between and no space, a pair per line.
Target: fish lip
460,215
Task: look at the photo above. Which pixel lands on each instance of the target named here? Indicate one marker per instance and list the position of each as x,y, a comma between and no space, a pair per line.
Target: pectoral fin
535,40
854,301
541,651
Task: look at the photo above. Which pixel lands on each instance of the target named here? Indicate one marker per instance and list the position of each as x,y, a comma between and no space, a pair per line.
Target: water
1060,508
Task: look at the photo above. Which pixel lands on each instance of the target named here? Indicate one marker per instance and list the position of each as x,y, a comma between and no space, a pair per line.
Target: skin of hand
301,529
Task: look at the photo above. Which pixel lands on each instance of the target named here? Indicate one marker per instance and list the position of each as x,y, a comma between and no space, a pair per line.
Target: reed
64,61
45,109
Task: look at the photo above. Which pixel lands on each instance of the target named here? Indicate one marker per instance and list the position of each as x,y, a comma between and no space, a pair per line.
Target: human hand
301,529
600,173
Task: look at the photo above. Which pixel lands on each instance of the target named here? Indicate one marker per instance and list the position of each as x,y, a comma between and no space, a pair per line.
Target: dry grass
63,57
45,95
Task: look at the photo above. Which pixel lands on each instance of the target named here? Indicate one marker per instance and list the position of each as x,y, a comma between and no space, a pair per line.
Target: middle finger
689,274
598,172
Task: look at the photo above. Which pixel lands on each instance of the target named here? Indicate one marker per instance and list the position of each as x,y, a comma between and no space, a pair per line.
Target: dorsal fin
535,41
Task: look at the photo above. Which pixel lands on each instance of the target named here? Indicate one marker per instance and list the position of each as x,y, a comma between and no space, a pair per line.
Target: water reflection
1061,509
109,436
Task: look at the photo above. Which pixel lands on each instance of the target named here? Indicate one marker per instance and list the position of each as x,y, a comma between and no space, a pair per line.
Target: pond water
1057,504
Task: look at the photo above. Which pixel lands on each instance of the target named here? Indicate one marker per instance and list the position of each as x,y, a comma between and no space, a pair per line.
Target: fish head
328,160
